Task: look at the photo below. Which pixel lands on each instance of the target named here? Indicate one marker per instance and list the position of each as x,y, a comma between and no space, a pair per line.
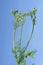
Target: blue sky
6,30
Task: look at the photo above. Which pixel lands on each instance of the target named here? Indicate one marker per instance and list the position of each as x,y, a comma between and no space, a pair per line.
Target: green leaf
30,53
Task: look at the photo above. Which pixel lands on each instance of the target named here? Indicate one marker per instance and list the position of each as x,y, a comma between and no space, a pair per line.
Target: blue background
6,30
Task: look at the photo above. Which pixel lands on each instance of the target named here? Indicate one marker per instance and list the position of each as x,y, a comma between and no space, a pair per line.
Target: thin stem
14,35
29,38
21,34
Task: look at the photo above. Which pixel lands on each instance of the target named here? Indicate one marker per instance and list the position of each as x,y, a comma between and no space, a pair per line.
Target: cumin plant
18,51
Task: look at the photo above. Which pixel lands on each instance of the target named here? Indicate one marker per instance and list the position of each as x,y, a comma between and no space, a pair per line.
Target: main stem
29,38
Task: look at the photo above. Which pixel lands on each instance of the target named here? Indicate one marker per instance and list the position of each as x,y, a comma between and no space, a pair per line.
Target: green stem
29,38
21,35
14,34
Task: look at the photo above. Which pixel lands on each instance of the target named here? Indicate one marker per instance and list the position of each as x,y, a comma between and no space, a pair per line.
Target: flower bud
33,11
14,12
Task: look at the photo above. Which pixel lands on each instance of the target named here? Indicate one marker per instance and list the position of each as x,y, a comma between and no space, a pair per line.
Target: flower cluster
33,15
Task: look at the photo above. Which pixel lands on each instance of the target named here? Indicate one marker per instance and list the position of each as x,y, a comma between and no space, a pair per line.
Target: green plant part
20,57
33,20
33,11
14,49
30,53
18,51
14,12
26,14
19,19
33,17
